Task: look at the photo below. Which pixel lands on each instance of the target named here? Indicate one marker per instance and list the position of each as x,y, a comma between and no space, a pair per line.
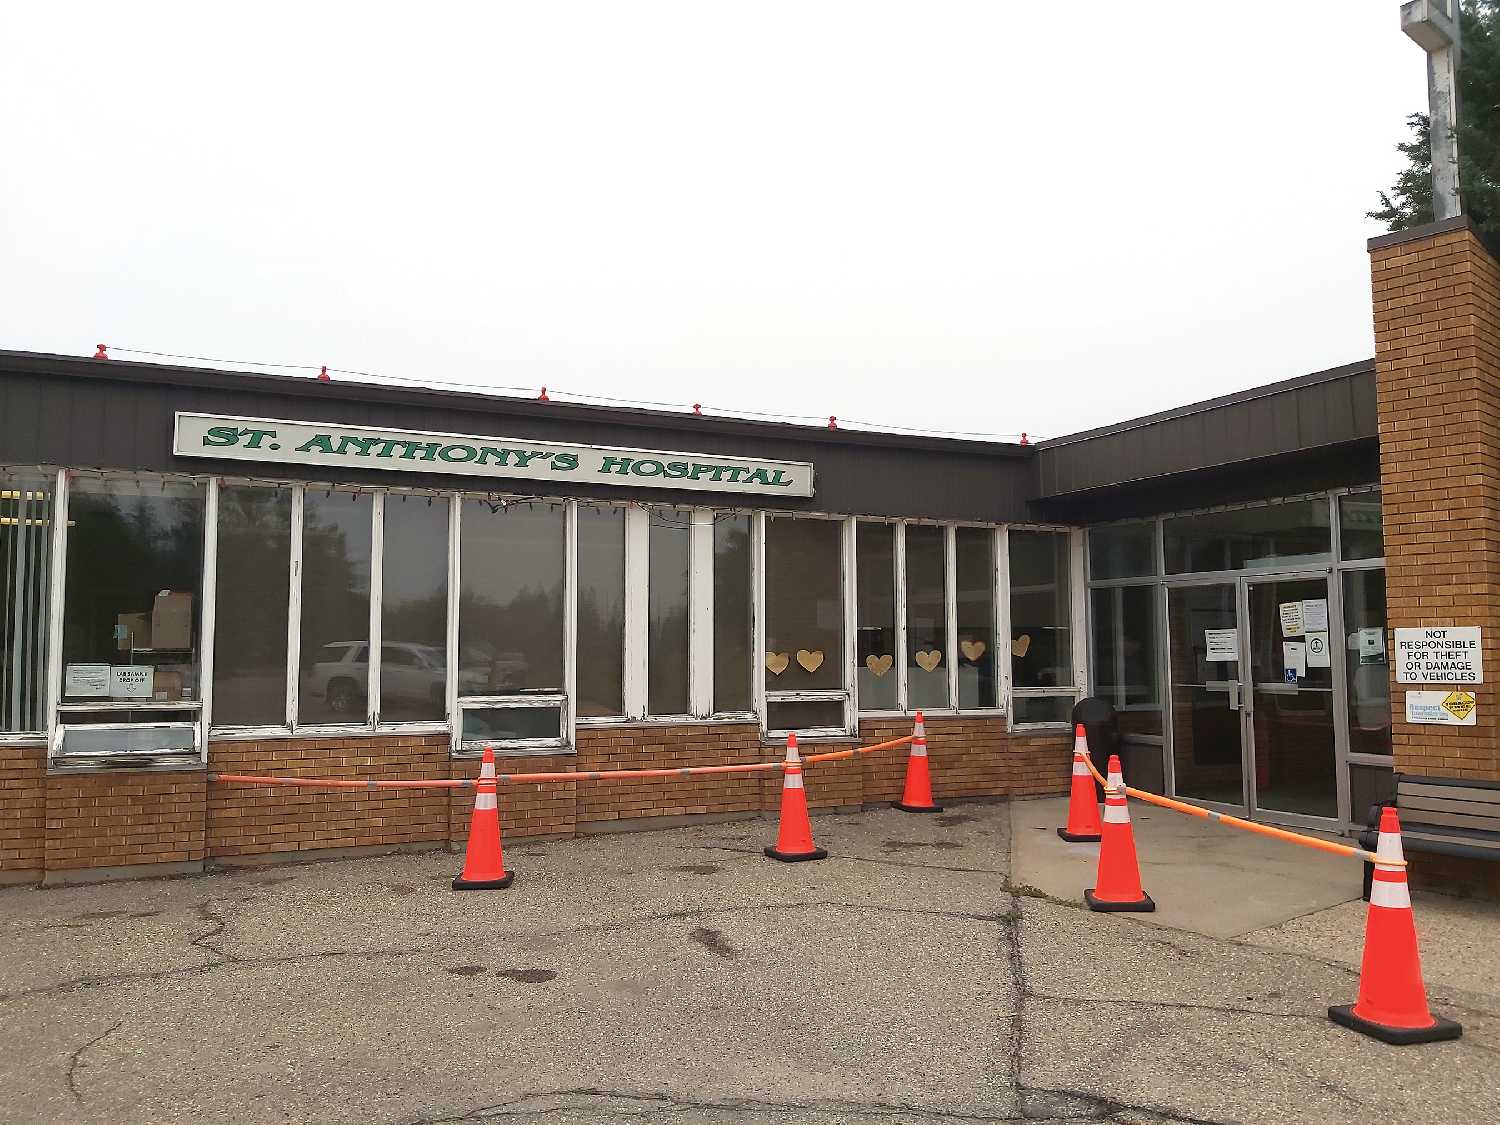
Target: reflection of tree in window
128,542
510,602
601,610
733,632
667,615
250,649
335,607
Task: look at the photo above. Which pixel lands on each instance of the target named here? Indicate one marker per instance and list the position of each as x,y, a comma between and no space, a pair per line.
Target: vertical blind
25,571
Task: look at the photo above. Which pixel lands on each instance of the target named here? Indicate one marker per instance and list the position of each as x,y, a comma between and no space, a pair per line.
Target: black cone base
1343,1014
904,807
1143,905
1079,837
462,884
797,857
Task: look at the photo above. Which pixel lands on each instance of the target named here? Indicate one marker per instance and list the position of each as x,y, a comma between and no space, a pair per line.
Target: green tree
1409,201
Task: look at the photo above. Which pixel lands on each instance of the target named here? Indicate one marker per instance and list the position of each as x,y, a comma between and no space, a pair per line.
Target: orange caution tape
1247,825
542,778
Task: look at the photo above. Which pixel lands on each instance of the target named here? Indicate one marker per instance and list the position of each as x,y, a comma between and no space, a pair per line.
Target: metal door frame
1171,586
1332,593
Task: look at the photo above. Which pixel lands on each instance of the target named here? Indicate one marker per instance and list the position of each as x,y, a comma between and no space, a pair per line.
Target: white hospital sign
1447,655
274,441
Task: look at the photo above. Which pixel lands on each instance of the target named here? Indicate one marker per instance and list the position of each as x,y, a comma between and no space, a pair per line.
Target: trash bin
1101,728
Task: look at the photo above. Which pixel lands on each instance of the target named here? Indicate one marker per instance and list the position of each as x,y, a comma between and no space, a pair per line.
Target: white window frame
567,741
766,697
707,579
45,609
1077,641
57,710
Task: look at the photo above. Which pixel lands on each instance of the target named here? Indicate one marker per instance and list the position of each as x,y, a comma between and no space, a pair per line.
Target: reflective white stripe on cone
1392,1003
1083,803
1118,883
794,842
917,793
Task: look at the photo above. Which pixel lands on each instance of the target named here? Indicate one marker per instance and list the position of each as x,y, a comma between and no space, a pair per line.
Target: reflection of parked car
410,673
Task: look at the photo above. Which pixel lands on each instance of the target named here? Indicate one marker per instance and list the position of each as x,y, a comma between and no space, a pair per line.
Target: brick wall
121,818
249,820
1437,352
132,817
23,811
1437,355
541,809
650,747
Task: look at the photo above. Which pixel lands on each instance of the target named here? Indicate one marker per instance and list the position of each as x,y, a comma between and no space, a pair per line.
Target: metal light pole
1434,25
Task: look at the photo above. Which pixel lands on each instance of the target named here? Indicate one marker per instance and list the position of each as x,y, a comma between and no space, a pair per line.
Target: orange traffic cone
1083,804
1119,876
484,865
794,840
1392,1004
917,796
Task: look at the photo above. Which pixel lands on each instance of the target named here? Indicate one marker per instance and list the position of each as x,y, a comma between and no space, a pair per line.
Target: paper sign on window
86,681
1315,615
1291,619
1222,644
1317,651
131,681
1294,660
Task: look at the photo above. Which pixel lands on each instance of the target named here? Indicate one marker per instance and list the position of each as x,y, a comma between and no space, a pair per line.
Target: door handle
1234,695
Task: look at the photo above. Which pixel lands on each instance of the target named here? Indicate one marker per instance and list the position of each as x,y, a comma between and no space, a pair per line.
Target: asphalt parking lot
933,969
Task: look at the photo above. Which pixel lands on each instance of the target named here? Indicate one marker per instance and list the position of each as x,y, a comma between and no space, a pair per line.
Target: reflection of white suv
410,673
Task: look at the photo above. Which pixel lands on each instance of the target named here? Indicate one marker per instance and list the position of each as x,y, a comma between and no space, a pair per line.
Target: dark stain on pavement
713,941
952,820
402,889
527,976
909,845
466,970
93,914
699,869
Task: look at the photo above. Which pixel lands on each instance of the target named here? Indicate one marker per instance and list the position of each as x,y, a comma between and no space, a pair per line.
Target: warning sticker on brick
1443,708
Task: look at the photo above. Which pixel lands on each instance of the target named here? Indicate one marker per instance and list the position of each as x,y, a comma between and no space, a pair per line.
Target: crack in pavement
229,960
862,859
75,1061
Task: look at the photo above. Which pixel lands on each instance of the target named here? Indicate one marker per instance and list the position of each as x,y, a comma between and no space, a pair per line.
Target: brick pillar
1437,354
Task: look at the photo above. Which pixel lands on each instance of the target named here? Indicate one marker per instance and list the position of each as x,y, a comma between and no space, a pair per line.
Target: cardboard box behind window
172,621
168,686
132,630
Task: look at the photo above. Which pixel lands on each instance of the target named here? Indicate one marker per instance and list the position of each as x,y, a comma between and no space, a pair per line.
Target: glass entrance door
1292,752
1207,732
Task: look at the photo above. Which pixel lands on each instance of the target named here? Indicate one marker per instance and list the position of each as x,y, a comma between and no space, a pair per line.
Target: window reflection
974,560
414,610
804,605
667,644
601,610
510,618
250,649
335,667
875,652
733,633
926,618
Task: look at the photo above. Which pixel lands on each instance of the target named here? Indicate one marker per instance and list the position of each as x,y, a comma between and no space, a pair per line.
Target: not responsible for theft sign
1448,655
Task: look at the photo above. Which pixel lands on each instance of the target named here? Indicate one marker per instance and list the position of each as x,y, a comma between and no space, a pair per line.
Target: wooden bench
1445,815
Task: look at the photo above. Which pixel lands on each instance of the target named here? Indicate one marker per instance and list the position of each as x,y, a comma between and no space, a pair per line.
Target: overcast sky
984,216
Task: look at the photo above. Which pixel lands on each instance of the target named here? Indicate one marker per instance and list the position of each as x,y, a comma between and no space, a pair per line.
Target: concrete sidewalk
934,968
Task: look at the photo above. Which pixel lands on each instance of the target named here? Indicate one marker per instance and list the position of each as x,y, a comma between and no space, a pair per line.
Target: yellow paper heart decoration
879,665
810,661
777,662
972,650
928,659
1021,644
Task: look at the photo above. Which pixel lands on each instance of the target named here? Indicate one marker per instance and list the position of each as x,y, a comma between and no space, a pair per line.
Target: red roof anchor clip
833,423
1024,440
323,375
543,396
101,353
698,409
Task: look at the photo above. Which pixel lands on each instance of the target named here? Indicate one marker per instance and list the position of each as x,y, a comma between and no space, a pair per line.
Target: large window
510,622
734,638
1041,651
1126,659
926,617
26,507
974,566
131,612
601,611
1290,533
804,657
414,610
335,648
875,649
254,557
668,589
